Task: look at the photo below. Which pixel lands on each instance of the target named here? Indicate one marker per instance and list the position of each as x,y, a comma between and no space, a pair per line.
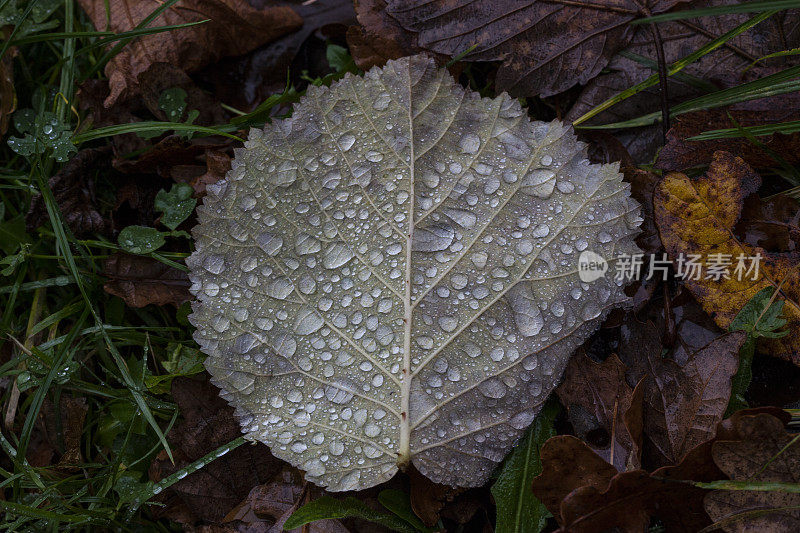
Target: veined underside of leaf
391,275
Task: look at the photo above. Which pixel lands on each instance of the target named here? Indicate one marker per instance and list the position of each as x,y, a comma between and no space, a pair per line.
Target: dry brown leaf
209,494
568,463
379,38
629,501
234,28
142,281
545,47
586,495
772,223
697,216
600,389
757,455
684,404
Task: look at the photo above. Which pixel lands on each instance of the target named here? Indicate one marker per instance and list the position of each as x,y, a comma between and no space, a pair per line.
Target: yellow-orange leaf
697,216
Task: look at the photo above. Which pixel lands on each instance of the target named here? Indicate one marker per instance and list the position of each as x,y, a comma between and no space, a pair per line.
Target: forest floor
677,415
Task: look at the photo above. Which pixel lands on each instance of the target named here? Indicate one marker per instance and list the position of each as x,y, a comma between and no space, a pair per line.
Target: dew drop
493,388
271,244
308,321
337,255
346,142
470,143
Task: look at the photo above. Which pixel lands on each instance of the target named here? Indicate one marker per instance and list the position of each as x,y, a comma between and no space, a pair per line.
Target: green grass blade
151,126
106,37
772,85
61,237
743,7
757,131
676,67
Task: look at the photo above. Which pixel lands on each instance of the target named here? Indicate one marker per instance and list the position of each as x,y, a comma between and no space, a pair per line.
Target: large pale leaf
391,275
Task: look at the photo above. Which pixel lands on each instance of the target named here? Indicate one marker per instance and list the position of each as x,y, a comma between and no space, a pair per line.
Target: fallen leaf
717,70
772,223
628,503
600,389
697,216
73,414
142,281
378,38
59,431
460,421
684,404
698,464
73,189
210,493
584,493
218,163
681,154
568,463
172,156
268,506
428,498
758,455
234,28
545,47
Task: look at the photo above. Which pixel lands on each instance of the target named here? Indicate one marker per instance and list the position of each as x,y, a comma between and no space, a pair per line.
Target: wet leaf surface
427,380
